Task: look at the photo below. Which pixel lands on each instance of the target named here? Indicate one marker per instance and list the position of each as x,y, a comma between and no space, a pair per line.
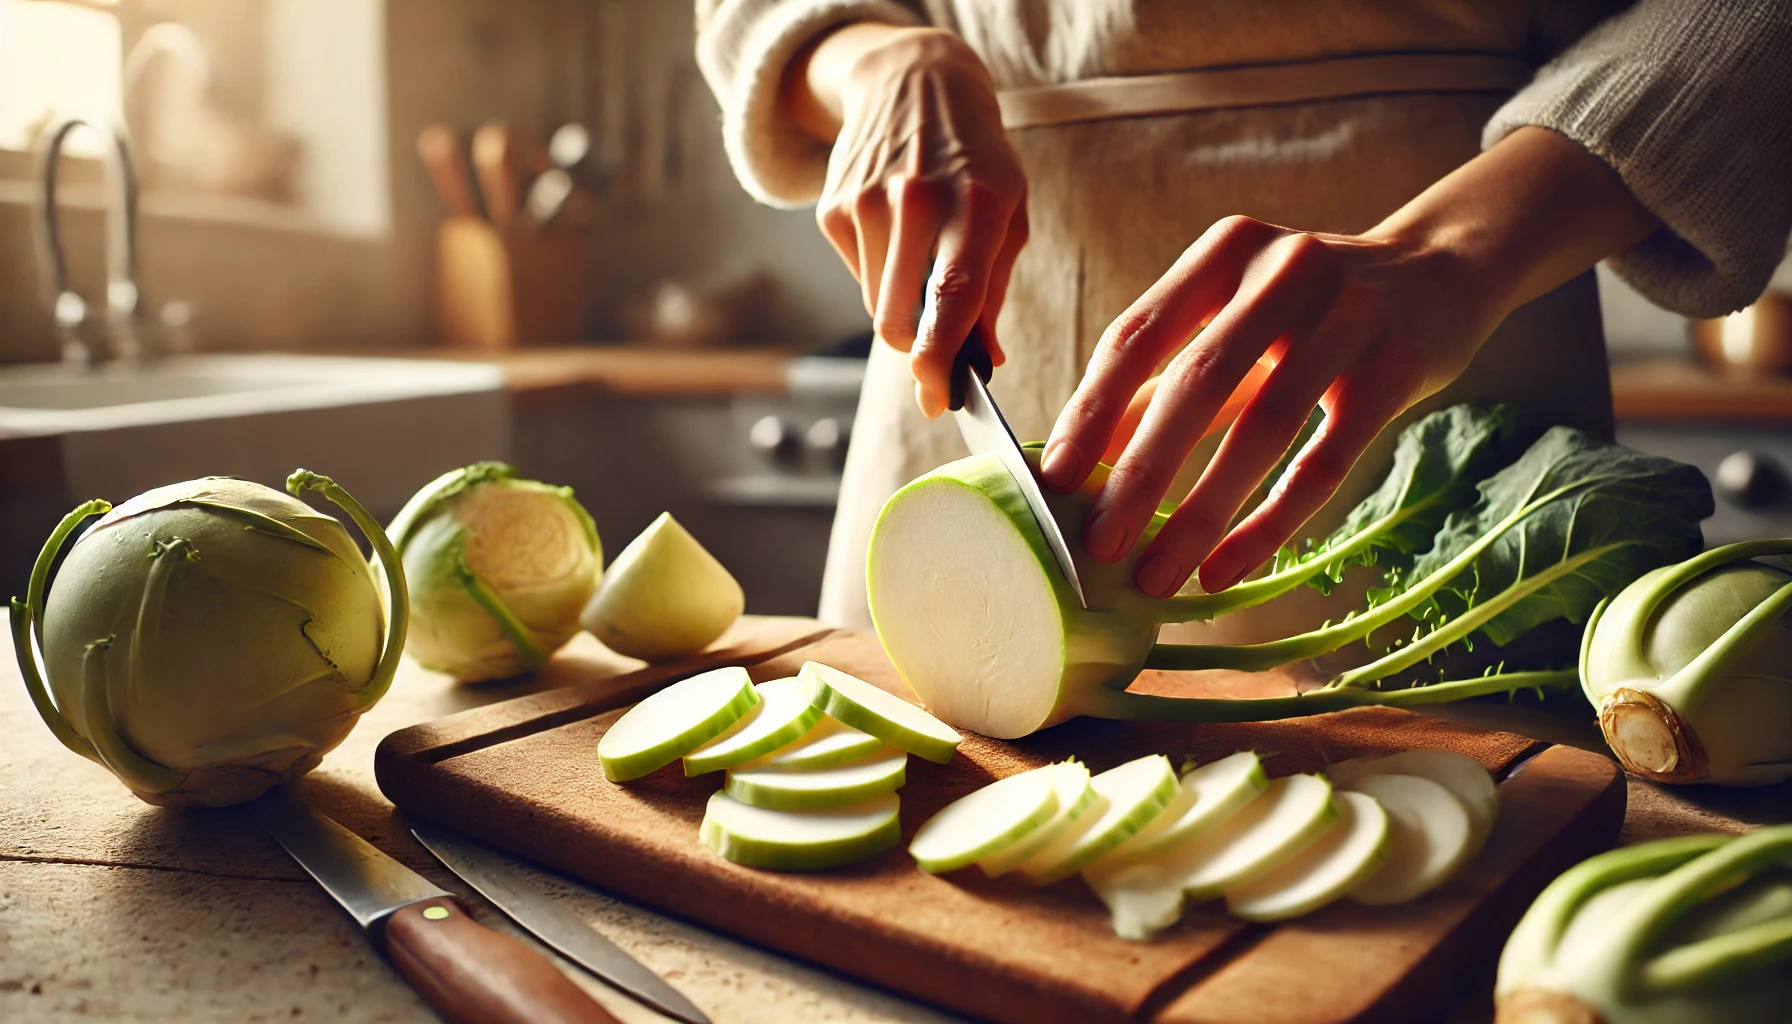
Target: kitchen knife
985,430
467,972
497,880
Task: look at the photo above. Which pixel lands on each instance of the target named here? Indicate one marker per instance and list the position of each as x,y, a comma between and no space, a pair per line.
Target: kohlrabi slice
664,597
1076,798
1334,864
882,714
1429,834
980,823
799,840
1130,797
1208,795
782,714
675,721
828,743
783,789
1458,773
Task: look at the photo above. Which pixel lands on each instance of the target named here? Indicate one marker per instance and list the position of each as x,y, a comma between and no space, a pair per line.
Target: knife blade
497,879
985,430
468,973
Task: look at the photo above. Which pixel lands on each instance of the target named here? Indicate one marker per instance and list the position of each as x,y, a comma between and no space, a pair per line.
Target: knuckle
869,202
953,281
894,325
1130,332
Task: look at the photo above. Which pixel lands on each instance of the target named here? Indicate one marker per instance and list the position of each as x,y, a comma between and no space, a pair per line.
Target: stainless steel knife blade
497,879
367,882
985,430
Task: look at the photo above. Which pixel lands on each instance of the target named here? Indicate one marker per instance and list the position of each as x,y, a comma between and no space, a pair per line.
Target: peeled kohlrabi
1691,669
1208,795
1459,773
1076,800
1430,835
783,789
207,640
799,840
664,597
1334,864
1687,930
1129,797
782,715
828,743
984,821
675,721
880,713
499,569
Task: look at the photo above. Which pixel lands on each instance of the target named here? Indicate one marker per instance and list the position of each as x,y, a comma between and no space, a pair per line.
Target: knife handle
972,355
473,975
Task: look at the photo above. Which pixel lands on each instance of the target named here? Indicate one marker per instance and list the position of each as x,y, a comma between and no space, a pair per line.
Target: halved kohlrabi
673,722
882,714
1076,798
1334,864
799,840
1208,795
782,715
783,789
1458,773
828,743
982,822
1429,835
1130,796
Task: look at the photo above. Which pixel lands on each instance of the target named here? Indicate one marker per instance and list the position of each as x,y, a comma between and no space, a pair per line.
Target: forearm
811,89
1522,218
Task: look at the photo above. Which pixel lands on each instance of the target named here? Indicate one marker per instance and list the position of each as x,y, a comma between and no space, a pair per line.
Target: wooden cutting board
523,776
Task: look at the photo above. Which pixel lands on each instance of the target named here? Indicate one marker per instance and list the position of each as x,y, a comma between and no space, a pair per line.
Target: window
58,58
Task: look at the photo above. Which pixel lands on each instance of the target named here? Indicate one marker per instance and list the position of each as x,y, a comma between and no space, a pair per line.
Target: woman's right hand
920,165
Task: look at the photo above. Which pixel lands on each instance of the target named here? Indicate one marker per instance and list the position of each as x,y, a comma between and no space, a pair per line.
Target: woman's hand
1362,326
920,162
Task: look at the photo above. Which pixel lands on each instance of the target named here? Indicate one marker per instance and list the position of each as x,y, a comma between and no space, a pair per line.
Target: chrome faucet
75,326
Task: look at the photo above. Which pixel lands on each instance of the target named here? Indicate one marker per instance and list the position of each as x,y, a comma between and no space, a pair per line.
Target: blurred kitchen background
382,238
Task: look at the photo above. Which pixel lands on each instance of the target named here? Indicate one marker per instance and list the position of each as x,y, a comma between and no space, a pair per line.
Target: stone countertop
111,909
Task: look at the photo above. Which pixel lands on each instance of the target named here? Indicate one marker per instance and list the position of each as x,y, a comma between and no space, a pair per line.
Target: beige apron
1124,173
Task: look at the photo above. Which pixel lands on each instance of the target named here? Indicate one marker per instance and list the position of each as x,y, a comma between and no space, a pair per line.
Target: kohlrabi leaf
1610,513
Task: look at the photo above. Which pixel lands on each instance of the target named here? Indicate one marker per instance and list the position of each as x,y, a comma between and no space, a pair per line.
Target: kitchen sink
380,427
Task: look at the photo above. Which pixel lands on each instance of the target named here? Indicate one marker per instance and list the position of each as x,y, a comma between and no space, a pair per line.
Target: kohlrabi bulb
498,567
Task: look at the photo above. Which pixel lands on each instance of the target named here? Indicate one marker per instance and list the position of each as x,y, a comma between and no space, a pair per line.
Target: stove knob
826,441
773,440
1753,481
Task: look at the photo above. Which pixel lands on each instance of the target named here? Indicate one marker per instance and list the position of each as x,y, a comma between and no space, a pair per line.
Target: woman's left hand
1362,326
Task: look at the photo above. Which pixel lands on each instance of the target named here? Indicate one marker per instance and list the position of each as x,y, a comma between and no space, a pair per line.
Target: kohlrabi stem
1686,689
136,771
1121,704
1203,607
1719,958
1627,646
398,610
1256,657
1461,626
27,619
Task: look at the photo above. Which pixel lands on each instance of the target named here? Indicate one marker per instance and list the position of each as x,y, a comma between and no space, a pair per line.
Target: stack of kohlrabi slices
1379,831
813,762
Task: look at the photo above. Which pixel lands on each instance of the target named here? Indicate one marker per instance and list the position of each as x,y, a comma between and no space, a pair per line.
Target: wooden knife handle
473,975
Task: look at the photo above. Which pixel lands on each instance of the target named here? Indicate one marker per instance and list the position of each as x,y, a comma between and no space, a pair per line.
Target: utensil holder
497,290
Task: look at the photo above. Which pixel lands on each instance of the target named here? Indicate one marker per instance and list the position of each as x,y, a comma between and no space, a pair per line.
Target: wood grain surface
523,775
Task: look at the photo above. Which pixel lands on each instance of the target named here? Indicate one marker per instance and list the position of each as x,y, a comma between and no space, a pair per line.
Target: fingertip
932,405
1222,570
1161,574
1061,466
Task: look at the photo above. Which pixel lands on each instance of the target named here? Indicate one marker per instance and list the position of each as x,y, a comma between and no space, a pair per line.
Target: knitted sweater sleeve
742,49
1690,102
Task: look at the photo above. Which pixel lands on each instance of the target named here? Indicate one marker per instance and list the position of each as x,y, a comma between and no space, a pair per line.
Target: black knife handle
472,975
972,355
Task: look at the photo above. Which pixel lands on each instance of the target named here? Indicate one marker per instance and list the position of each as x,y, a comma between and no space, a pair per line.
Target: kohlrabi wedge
1076,799
1208,795
828,743
880,713
1461,774
784,789
1334,864
782,714
1691,669
1130,796
982,822
799,840
1429,838
675,721
664,597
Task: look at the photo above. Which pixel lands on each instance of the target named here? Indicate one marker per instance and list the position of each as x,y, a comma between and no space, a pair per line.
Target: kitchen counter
1679,390
112,909
535,373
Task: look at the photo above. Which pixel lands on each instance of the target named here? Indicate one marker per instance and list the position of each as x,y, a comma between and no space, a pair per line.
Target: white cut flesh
783,714
829,743
1076,798
1130,797
675,721
799,840
882,714
1209,795
664,597
980,823
1429,833
1458,773
1334,864
1141,899
783,789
